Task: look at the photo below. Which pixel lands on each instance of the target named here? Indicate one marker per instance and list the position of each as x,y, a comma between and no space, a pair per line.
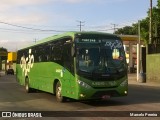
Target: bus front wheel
59,96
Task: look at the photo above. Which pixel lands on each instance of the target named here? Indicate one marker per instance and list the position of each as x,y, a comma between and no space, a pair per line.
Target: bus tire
59,96
27,88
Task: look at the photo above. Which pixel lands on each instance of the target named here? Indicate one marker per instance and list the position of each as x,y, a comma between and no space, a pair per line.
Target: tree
144,26
127,30
3,49
2,52
3,55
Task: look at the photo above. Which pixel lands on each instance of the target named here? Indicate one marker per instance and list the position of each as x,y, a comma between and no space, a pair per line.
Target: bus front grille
100,94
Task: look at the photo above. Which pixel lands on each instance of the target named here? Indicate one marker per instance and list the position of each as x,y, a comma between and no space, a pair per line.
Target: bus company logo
114,45
27,63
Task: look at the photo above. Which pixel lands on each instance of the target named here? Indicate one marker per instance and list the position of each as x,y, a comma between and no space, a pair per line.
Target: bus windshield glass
100,56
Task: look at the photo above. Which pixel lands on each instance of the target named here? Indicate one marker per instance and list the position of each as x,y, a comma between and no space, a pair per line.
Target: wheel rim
27,86
59,92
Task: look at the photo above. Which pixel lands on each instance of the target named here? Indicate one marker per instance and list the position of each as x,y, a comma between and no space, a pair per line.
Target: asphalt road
14,98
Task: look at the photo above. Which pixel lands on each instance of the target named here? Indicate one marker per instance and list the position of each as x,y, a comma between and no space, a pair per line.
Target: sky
23,22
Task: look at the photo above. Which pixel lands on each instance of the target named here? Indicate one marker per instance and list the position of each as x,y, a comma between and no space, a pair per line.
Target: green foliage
127,30
3,49
158,3
144,25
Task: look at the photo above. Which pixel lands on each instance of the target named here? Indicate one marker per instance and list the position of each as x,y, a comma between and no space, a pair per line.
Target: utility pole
81,23
114,27
138,51
35,40
150,23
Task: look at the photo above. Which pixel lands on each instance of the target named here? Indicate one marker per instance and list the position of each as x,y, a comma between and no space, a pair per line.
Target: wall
153,68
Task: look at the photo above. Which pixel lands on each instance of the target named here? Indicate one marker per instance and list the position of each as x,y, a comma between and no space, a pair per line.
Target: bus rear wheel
27,88
59,96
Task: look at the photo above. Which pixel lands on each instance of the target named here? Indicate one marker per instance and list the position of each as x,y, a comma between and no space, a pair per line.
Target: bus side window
52,52
66,52
40,58
67,57
57,53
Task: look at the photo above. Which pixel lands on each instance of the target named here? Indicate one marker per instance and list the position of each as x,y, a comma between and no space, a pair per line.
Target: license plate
105,97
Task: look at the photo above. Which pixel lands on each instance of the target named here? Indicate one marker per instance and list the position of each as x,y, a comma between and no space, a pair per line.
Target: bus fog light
82,95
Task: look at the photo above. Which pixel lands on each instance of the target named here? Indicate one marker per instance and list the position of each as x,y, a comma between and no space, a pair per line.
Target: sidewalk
2,73
132,79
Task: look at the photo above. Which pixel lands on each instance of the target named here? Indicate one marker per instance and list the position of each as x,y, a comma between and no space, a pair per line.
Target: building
130,46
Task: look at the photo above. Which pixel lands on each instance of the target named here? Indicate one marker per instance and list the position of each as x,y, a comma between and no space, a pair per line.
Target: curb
132,79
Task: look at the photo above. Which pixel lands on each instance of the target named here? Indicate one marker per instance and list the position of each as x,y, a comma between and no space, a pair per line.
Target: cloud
22,2
3,41
91,1
75,1
26,11
14,45
10,4
22,11
24,19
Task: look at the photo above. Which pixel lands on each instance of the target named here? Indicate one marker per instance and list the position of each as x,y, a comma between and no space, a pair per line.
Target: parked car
10,71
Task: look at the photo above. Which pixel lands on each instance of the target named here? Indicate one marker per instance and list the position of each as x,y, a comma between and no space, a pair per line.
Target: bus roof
69,34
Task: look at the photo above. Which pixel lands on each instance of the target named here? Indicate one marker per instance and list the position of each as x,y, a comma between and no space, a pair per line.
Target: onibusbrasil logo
27,63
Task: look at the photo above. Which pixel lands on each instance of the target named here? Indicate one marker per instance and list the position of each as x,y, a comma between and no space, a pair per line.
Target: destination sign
89,41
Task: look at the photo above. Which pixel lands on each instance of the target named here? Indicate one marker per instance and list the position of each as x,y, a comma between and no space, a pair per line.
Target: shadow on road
137,95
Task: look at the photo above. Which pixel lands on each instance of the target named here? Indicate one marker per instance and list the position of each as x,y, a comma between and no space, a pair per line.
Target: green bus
77,65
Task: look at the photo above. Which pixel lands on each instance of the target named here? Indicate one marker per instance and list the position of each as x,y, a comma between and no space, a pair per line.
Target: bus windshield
100,56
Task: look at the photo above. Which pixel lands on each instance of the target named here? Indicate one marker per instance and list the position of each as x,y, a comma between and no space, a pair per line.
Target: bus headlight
124,83
83,84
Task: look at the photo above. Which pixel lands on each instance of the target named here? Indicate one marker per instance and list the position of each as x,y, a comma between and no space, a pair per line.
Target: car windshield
105,56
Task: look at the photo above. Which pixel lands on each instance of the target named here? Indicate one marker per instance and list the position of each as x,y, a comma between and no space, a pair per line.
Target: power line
34,30
24,31
30,28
